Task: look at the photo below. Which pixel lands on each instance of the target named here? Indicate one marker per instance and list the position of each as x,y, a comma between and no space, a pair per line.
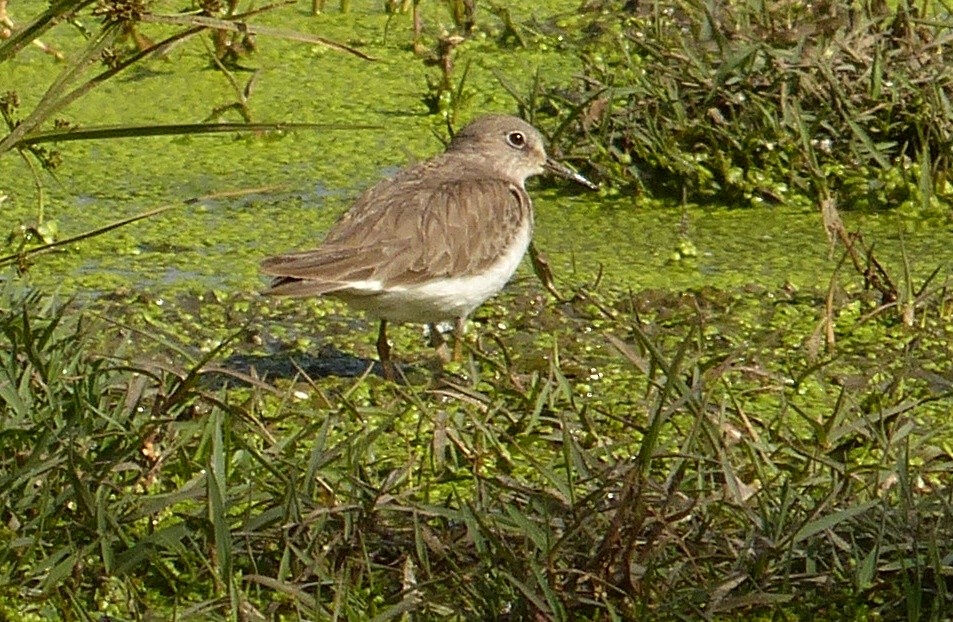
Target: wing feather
405,237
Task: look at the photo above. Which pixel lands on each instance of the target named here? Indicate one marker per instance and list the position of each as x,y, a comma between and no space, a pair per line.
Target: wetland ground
716,418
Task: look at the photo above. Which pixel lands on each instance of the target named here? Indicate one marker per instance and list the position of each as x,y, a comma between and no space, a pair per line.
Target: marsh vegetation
748,447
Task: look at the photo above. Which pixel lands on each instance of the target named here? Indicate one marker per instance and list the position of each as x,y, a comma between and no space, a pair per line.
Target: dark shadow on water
247,369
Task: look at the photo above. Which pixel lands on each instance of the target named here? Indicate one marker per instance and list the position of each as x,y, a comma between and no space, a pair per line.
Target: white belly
442,299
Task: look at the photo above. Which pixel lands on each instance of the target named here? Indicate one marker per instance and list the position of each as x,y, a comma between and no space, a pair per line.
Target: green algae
628,243
221,244
310,177
210,251
735,295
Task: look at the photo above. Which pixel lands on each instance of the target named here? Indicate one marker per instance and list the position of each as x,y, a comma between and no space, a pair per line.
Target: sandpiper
435,241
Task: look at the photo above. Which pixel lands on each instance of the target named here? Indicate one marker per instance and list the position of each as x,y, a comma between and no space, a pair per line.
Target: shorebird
435,241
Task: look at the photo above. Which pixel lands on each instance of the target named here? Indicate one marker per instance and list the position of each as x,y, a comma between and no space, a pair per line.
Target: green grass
747,454
763,103
665,464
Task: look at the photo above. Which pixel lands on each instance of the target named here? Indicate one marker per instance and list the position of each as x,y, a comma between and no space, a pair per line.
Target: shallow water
312,176
692,247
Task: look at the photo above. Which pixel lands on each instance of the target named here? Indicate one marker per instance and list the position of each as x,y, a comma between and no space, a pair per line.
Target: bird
436,240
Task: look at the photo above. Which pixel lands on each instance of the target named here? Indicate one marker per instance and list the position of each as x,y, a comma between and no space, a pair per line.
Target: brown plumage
371,241
436,240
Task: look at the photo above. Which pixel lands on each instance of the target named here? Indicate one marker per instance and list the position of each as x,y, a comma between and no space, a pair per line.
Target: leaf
829,521
100,132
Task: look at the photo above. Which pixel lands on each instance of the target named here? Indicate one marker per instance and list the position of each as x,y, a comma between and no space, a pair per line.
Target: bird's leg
439,344
383,353
458,328
418,28
435,336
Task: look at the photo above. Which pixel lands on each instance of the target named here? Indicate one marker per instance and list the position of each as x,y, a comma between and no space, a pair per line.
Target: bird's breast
445,298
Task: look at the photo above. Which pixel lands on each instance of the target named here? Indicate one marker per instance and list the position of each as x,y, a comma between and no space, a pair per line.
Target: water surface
310,177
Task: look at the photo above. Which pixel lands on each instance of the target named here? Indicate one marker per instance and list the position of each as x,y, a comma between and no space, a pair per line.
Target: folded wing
387,239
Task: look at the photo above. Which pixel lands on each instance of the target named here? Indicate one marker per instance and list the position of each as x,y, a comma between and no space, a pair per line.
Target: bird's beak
562,170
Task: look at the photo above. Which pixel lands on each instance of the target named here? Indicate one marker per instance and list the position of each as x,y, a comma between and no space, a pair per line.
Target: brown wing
424,231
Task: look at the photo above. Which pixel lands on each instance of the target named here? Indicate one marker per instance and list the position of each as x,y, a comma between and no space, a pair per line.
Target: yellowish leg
458,338
439,344
383,353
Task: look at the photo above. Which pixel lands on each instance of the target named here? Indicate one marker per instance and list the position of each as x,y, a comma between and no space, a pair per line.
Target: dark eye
516,139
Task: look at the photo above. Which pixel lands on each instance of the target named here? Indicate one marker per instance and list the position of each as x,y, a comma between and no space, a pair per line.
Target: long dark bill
562,170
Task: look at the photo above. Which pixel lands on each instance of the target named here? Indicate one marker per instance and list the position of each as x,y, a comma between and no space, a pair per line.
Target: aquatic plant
752,102
115,45
663,461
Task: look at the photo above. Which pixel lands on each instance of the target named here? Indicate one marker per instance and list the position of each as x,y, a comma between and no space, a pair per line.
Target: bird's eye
516,139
